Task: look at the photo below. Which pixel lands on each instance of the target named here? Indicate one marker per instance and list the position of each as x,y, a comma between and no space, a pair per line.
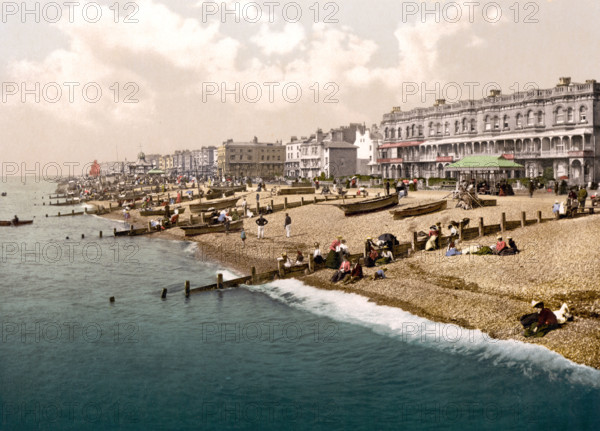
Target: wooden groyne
401,250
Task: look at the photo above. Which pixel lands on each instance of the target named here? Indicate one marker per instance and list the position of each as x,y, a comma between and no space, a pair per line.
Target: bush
435,181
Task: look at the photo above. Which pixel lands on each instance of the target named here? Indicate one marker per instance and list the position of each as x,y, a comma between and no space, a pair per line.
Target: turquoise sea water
272,357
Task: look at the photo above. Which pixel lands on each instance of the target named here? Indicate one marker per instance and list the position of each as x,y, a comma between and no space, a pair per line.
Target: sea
281,356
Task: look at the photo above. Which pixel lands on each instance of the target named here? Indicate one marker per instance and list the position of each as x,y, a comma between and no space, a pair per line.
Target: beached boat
369,205
297,191
201,229
160,212
417,210
218,205
11,223
132,232
234,189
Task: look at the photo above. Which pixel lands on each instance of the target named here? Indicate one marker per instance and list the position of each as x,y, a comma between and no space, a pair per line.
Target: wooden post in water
539,216
59,214
85,210
481,226
502,222
413,244
112,299
285,203
523,218
163,295
219,281
187,289
253,273
100,235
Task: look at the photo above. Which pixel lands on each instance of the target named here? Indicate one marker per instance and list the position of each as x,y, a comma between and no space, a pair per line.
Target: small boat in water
3,193
13,223
369,205
417,210
201,229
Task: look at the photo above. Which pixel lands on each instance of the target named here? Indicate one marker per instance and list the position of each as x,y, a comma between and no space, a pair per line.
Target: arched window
420,130
412,130
559,115
393,133
540,118
505,122
496,123
456,127
387,133
430,129
583,114
473,124
519,121
530,118
399,132
487,123
446,128
570,115
407,131
464,124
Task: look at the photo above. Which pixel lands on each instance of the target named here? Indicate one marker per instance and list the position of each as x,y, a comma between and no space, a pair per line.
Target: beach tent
492,168
156,172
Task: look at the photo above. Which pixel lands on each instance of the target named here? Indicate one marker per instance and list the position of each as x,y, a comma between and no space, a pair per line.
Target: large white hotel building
554,128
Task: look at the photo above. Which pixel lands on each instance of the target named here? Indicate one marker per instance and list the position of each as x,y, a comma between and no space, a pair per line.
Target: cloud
279,43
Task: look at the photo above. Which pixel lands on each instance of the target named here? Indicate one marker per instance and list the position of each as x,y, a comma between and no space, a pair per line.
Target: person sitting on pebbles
386,257
380,274
512,245
286,261
356,274
546,321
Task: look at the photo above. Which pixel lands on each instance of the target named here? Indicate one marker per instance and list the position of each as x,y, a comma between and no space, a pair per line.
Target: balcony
396,160
585,153
444,159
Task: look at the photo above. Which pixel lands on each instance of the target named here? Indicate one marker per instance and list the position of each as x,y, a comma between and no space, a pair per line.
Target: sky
102,80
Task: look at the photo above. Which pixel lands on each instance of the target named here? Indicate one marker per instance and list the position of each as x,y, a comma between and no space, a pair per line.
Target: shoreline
488,293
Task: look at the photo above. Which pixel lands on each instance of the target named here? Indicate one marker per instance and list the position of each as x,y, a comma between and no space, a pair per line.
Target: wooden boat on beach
417,210
369,205
218,205
201,229
216,194
132,232
11,223
222,189
160,212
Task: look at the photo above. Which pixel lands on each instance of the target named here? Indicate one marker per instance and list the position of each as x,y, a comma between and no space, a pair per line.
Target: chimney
495,93
590,81
396,109
319,135
564,81
439,102
255,140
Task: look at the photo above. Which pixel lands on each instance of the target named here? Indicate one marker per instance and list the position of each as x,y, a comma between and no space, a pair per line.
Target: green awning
156,172
484,163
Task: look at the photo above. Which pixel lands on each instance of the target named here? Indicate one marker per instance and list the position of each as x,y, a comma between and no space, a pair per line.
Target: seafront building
251,159
367,141
555,129
331,153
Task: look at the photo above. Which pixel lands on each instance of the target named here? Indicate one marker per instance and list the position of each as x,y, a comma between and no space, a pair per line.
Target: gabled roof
484,163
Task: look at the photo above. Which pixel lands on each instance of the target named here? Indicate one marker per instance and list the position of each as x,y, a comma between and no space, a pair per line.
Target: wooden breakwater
401,250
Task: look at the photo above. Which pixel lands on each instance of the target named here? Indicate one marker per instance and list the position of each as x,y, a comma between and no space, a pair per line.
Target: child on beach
243,236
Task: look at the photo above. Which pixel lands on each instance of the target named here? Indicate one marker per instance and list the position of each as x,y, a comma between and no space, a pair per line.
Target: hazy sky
172,60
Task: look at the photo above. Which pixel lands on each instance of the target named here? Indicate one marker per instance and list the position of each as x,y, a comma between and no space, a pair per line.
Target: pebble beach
557,264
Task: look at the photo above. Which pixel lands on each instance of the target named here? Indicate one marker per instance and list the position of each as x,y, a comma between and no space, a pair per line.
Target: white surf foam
394,322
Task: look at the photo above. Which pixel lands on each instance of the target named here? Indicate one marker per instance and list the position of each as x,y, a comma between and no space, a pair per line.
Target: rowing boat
218,205
228,189
201,229
417,210
160,212
369,205
216,194
11,223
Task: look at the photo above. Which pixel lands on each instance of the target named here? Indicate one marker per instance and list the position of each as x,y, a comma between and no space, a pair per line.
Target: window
560,115
496,123
583,114
446,128
505,121
487,123
530,118
540,118
232,157
456,127
399,133
472,125
570,115
519,121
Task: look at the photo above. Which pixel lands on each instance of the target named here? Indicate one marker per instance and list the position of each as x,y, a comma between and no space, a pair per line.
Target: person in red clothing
344,270
500,245
546,321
